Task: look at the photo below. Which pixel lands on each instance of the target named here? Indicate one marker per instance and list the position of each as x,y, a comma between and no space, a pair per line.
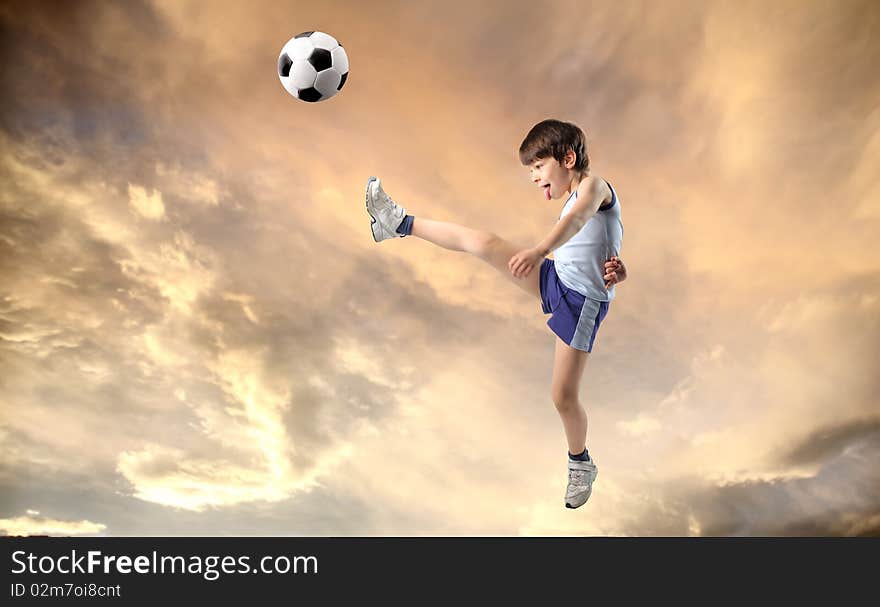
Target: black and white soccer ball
313,66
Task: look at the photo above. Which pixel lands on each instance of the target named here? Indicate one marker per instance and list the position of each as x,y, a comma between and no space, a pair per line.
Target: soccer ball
313,66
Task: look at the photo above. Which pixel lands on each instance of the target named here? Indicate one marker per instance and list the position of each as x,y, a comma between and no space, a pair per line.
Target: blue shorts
575,318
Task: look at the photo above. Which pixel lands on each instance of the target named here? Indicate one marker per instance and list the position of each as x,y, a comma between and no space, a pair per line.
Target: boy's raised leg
386,216
489,247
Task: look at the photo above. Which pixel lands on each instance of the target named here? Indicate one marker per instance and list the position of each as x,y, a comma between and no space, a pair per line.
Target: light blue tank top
580,262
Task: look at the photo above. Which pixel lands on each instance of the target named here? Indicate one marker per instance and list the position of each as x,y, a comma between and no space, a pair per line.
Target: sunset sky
198,335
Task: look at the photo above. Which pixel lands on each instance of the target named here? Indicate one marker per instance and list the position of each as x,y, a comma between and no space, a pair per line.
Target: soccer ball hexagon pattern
313,66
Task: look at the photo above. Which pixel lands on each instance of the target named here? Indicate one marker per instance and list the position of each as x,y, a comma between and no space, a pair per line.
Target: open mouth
546,191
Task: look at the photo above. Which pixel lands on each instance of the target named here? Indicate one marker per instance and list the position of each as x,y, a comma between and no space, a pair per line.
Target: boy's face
549,175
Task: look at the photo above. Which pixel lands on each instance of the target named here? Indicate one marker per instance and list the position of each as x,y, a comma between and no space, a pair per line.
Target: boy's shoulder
594,186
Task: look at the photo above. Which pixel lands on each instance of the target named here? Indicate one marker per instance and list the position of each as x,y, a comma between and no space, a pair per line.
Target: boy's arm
591,193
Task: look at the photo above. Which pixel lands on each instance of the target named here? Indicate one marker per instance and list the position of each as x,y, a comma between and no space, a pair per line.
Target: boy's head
556,154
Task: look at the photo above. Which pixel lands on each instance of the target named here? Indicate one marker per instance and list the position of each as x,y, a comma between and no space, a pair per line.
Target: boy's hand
615,272
524,262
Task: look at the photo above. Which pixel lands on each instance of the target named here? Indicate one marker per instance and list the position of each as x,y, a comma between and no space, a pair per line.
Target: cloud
841,498
33,524
189,185
172,478
830,441
148,205
640,425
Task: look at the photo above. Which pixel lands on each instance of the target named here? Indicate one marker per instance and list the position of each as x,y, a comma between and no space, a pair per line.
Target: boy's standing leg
568,369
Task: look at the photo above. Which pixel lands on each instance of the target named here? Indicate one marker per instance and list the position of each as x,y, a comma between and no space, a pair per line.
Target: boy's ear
569,159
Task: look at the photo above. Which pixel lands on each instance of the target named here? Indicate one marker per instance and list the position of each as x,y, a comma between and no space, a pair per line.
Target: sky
199,336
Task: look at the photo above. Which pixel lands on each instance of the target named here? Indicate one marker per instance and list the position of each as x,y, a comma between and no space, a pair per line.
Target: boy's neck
576,181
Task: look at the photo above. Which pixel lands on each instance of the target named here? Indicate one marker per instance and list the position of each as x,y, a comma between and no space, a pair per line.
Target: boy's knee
565,398
485,243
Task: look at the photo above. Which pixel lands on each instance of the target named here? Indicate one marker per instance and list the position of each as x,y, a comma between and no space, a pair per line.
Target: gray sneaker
385,214
580,482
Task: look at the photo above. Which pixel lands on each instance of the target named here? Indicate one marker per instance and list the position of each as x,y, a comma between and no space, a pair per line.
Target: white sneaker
580,482
385,213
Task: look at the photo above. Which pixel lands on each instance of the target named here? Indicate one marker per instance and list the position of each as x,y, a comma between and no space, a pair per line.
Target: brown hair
552,139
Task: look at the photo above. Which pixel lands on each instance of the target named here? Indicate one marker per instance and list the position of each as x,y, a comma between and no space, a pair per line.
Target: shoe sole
373,220
569,506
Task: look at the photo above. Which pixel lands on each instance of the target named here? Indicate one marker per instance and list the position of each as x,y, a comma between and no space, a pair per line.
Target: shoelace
389,208
388,204
577,477
381,197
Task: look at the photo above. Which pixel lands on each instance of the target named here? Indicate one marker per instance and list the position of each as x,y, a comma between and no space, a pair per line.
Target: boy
575,287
